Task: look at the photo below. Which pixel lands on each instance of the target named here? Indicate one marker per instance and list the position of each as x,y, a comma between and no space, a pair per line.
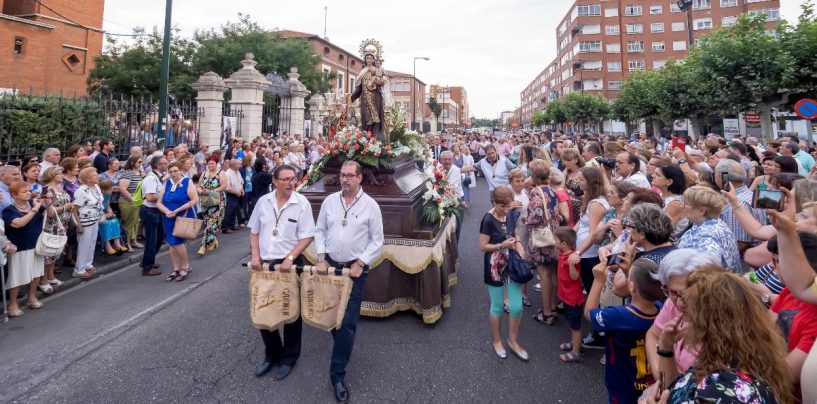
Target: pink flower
363,153
377,154
357,147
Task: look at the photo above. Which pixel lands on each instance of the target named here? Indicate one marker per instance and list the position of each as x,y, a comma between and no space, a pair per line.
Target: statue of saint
373,90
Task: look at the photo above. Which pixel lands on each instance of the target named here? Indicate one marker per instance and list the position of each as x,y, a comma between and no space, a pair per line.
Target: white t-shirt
455,179
151,184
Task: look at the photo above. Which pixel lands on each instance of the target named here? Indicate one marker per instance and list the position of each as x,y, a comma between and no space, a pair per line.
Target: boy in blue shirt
627,373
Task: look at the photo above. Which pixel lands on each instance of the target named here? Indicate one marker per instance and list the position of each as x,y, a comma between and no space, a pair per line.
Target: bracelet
664,354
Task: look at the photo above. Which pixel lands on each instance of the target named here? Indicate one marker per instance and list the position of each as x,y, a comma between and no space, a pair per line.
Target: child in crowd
110,231
570,292
626,373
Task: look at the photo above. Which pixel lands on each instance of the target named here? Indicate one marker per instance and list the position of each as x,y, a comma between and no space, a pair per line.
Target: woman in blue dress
178,198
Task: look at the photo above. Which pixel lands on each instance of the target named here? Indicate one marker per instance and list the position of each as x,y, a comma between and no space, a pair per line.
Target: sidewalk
104,264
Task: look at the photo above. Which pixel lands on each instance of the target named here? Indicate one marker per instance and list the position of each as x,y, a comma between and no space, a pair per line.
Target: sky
493,48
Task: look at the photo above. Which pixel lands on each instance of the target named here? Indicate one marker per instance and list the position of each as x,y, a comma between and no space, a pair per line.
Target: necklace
277,219
24,209
346,210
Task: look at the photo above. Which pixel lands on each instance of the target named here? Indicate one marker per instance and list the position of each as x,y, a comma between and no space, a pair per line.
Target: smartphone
679,142
614,259
768,199
725,181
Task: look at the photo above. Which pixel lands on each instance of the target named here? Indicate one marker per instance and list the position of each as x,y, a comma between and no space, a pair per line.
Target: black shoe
263,368
282,372
591,342
341,394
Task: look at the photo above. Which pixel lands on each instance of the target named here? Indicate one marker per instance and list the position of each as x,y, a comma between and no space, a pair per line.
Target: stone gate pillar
210,99
298,94
317,110
247,95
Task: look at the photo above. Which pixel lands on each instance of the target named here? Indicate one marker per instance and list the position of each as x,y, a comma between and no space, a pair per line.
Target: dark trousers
344,337
231,212
154,234
288,351
586,272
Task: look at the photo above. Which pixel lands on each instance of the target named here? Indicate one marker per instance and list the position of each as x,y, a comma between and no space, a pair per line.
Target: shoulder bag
517,269
187,228
50,245
542,236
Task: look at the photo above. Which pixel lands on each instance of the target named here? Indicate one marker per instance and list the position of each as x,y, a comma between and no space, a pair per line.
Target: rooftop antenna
325,11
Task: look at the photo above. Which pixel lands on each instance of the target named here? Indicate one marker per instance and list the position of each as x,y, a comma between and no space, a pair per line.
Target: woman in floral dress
543,211
211,187
58,199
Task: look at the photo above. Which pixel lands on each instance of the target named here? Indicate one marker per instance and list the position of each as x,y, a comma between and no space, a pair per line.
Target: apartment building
456,112
334,59
600,42
49,49
401,89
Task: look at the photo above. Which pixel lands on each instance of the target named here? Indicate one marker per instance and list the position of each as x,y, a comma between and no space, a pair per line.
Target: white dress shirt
151,184
455,179
361,237
496,174
295,222
234,180
638,179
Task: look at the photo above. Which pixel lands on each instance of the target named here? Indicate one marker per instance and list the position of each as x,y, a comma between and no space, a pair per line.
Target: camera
608,163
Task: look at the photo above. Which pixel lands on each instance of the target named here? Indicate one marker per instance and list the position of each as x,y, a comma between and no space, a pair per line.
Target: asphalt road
128,339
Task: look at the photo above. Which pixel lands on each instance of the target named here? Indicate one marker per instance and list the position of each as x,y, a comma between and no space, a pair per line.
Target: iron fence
276,115
29,124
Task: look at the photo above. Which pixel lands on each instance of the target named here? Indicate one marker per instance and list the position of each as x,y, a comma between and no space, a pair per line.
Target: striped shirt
768,277
728,215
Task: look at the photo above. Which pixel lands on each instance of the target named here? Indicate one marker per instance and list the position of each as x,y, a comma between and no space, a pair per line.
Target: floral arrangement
440,199
354,144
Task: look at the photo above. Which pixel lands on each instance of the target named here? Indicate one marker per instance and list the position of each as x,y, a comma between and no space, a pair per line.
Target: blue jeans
466,193
154,235
344,337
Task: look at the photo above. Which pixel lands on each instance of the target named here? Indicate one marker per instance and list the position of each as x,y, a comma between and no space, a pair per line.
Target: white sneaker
537,287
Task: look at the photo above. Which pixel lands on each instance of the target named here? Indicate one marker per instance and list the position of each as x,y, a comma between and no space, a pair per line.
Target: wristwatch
291,258
321,257
766,299
664,354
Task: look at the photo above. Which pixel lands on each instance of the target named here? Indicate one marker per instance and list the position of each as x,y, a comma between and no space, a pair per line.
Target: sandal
17,313
172,277
567,346
34,306
546,319
184,273
526,302
571,357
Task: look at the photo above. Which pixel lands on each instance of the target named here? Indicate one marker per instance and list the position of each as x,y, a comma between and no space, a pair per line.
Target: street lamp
165,73
686,6
413,89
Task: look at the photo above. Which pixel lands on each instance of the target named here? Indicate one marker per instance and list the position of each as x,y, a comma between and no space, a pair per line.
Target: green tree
555,113
584,108
538,118
484,122
435,107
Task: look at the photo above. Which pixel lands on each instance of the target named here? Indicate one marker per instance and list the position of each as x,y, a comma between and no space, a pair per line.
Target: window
701,4
326,72
658,46
613,48
754,1
18,45
772,14
612,30
658,64
613,66
351,83
73,60
673,7
657,27
656,9
340,82
678,26
593,9
590,46
632,9
635,46
679,45
635,28
611,12
635,65
728,21
702,23
729,3
614,85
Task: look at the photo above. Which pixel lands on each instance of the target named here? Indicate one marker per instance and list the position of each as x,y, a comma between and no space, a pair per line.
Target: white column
247,95
298,94
210,99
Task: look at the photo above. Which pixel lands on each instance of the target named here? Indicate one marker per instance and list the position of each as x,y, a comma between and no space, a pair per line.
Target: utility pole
325,12
686,6
165,72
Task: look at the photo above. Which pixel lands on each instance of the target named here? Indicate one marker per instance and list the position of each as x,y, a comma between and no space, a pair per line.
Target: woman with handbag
23,221
128,182
56,224
88,213
544,211
179,198
211,190
499,240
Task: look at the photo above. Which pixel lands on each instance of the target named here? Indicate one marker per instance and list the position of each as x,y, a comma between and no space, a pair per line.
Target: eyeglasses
289,179
347,176
672,294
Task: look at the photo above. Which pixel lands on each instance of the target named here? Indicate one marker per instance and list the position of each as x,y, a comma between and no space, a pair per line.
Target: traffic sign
806,109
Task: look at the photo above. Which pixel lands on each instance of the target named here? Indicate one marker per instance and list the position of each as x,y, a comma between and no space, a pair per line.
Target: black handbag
518,269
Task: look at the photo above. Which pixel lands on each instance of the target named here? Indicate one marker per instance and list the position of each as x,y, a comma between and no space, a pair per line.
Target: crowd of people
693,289
698,286
97,204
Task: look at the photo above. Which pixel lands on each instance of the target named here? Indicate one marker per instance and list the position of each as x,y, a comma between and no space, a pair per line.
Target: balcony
587,66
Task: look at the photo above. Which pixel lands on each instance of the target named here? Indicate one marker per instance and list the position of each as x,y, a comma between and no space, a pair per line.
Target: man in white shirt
281,228
51,157
628,168
455,179
494,167
233,193
151,217
349,233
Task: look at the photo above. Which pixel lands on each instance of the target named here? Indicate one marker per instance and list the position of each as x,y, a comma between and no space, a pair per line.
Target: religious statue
373,91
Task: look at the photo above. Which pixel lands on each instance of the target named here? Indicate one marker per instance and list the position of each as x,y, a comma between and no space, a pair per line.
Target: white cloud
492,48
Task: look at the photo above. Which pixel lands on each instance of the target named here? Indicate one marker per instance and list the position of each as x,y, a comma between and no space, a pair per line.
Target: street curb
126,261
